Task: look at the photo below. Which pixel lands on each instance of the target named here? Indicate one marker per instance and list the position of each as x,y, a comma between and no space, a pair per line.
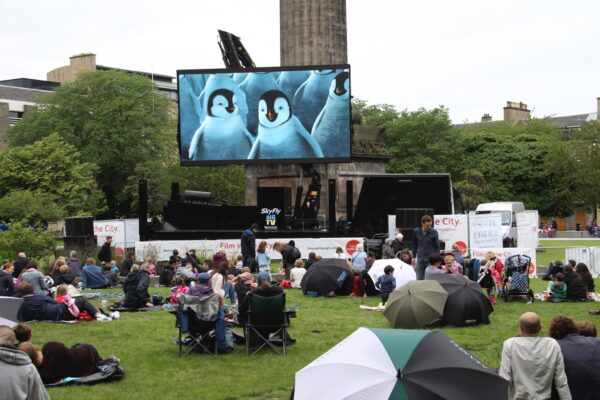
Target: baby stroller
515,280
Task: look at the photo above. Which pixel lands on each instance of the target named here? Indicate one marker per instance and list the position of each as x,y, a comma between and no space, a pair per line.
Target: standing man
105,253
249,248
425,243
532,364
20,264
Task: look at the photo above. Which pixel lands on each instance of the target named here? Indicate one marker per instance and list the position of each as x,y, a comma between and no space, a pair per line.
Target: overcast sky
470,56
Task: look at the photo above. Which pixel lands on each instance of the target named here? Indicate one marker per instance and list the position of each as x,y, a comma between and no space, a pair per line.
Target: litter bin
577,227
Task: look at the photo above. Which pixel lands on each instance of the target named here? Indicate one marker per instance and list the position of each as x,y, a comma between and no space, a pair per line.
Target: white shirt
296,275
531,364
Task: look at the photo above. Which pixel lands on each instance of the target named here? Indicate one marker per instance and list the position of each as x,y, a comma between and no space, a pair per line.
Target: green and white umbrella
416,304
373,364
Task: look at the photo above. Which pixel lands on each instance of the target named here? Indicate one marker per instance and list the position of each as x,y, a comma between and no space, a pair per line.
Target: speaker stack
79,233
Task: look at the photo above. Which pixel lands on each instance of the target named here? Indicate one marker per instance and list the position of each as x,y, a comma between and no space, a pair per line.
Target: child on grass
558,288
386,283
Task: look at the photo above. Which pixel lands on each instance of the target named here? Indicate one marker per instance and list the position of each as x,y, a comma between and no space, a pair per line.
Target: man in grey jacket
19,379
531,364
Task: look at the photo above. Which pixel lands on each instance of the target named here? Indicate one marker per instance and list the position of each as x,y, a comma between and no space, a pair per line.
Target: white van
508,210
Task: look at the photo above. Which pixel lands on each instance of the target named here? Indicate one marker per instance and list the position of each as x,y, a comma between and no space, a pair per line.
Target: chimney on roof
486,118
516,112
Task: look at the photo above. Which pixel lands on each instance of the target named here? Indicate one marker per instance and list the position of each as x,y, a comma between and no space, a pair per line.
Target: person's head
109,239
278,246
24,288
449,260
583,270
455,248
179,281
572,263
318,258
172,263
239,257
490,255
130,254
254,227
388,270
388,242
399,237
529,324
262,247
149,260
561,326
299,263
245,269
32,264
61,290
586,328
569,269
175,252
359,248
90,261
135,267
9,268
405,256
32,351
22,332
435,260
339,250
73,254
7,336
22,254
263,279
560,277
63,269
246,277
219,257
426,222
143,267
203,278
292,243
312,255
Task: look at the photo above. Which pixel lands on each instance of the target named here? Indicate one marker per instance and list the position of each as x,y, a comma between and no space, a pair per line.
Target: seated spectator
586,328
186,272
168,273
558,289
74,264
91,275
230,291
532,364
62,274
7,283
218,277
180,288
151,266
35,278
39,307
452,267
585,274
554,268
233,269
242,285
114,267
397,244
19,379
112,278
458,256
576,289
312,258
127,263
56,361
386,250
297,273
406,257
339,253
239,262
435,266
136,286
581,356
22,333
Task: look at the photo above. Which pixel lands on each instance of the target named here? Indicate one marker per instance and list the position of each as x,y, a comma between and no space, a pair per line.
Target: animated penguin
190,87
331,127
280,133
254,86
290,81
222,135
224,81
312,95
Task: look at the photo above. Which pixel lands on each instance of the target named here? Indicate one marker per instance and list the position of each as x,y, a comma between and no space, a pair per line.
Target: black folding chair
201,330
266,316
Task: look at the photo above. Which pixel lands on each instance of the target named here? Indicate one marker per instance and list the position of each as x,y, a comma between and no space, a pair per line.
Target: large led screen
283,115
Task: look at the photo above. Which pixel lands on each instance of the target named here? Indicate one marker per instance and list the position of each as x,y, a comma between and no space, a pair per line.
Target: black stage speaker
271,199
332,213
407,219
349,200
79,226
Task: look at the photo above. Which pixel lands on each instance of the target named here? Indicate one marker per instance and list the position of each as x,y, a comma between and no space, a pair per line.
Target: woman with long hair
263,257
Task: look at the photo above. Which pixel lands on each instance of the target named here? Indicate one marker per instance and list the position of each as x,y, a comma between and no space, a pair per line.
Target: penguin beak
271,116
230,109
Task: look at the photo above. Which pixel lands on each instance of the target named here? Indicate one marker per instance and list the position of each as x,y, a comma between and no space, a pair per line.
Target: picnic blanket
107,371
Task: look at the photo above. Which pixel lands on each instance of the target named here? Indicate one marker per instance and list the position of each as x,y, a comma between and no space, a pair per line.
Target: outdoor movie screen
264,115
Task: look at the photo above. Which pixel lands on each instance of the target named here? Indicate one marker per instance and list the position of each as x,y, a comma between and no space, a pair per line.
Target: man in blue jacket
91,275
425,243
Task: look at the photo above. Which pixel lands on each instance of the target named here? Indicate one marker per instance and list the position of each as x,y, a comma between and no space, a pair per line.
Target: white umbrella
403,272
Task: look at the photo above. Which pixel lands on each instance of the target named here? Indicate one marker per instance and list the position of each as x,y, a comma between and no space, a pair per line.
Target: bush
37,243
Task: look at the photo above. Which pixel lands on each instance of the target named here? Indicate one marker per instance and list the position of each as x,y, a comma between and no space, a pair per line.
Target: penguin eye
281,107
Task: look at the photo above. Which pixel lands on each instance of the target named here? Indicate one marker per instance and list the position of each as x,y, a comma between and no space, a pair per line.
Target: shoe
103,318
115,315
225,350
594,312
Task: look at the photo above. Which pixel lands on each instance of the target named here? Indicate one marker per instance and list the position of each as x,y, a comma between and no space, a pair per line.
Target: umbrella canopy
416,304
403,272
327,275
466,302
398,364
7,322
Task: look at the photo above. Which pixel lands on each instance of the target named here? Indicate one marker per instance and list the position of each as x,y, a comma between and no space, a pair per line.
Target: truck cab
508,211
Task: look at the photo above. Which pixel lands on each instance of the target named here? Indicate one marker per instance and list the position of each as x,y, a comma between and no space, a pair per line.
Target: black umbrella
328,275
466,304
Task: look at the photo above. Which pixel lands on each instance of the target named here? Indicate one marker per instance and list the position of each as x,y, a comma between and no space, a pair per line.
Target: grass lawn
153,370
551,250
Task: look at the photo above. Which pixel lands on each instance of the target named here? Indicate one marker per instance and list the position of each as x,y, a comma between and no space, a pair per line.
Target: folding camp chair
266,315
202,319
9,307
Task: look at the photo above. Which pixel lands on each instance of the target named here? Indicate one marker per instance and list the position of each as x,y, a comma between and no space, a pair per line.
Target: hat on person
203,277
219,257
399,237
263,276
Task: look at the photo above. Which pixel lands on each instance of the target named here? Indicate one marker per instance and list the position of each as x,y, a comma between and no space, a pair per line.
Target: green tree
115,119
373,115
46,180
472,189
585,145
35,242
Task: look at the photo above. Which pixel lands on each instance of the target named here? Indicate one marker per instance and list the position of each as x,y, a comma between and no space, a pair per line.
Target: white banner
503,253
453,229
485,231
161,250
125,232
527,229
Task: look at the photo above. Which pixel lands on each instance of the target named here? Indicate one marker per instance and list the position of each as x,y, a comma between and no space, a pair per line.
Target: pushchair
515,279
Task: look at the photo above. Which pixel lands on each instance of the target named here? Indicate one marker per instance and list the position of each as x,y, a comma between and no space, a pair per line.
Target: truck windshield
505,215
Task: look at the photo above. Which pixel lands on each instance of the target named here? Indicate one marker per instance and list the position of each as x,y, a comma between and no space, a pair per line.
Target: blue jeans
229,292
219,326
420,268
